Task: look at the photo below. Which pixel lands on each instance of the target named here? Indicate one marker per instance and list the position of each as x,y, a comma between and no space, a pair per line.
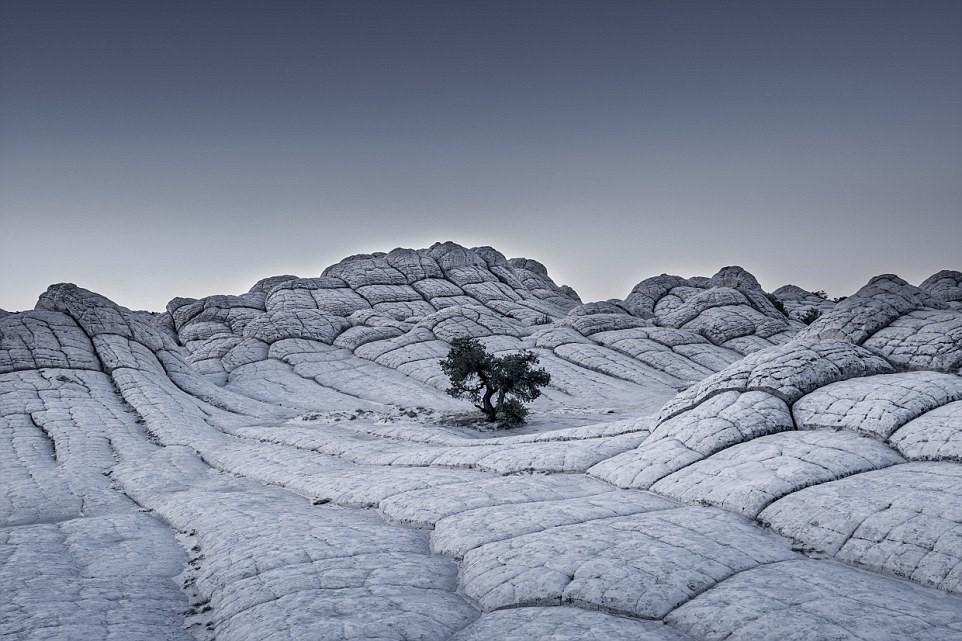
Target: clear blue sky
156,149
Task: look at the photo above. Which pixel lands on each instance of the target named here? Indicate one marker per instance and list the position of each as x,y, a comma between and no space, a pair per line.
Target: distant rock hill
370,330
400,310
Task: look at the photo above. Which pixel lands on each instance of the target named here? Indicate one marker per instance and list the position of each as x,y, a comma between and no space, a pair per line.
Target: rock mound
797,482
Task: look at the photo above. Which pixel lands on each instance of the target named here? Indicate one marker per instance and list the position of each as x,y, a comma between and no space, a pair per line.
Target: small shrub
821,293
512,412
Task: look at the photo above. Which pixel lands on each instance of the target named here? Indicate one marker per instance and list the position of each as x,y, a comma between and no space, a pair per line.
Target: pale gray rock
904,520
735,277
53,453
788,371
529,265
246,351
747,477
183,309
612,363
945,285
97,315
720,422
373,318
563,624
374,294
721,315
557,457
283,565
643,565
31,340
222,333
731,304
529,311
264,285
691,308
440,302
738,278
358,271
682,354
405,310
450,255
77,559
801,304
309,324
256,425
814,600
354,337
415,265
186,379
646,295
534,276
491,256
588,324
935,435
129,337
109,577
459,533
430,288
273,381
435,435
554,335
329,295
876,405
468,321
419,344
338,369
922,339
599,307
469,274
879,303
423,508
678,296
491,291
502,455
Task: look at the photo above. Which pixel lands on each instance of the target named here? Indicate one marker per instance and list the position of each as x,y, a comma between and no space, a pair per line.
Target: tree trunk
489,410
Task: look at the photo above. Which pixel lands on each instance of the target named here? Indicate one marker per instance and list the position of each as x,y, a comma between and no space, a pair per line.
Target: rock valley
710,462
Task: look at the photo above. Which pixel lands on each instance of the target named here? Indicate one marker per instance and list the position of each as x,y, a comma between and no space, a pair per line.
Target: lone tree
499,386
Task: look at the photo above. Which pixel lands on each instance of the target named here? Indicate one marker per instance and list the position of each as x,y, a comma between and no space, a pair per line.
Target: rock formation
283,463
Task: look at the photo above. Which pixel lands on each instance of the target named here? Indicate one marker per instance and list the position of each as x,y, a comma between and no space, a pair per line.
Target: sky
158,149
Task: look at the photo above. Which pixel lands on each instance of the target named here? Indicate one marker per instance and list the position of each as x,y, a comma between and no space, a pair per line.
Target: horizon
243,288
148,152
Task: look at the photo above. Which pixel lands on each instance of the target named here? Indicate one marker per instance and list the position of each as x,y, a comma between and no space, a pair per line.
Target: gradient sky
159,149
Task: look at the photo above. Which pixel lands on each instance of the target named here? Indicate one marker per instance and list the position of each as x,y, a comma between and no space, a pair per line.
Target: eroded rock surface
797,600
563,624
283,463
945,285
644,565
801,305
399,311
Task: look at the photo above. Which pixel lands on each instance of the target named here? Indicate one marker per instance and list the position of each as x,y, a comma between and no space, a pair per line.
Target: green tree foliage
499,386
